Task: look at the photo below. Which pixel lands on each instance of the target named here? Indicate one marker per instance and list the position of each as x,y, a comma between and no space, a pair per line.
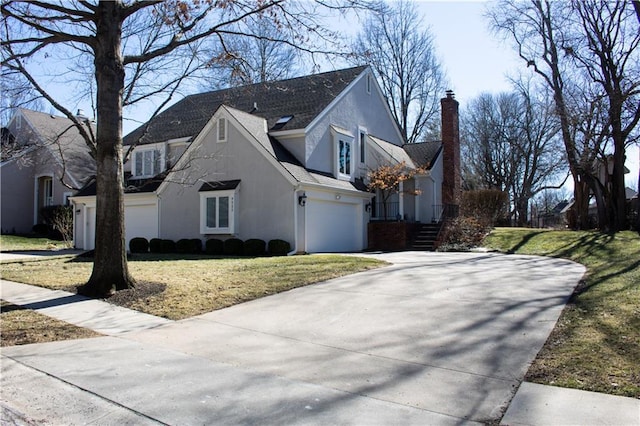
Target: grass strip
178,287
24,326
596,344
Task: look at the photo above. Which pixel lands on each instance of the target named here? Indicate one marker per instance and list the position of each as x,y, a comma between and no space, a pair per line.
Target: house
281,160
44,160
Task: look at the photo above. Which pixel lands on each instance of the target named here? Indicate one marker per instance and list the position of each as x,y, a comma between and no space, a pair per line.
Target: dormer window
343,143
222,130
147,163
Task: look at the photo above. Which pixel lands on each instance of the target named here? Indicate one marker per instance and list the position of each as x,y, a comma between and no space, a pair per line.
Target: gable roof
290,165
63,140
302,98
423,154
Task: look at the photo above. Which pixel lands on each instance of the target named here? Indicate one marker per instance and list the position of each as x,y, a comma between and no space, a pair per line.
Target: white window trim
141,151
349,142
362,151
204,229
222,137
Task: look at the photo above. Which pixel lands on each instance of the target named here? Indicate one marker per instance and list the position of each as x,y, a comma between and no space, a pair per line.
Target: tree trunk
110,270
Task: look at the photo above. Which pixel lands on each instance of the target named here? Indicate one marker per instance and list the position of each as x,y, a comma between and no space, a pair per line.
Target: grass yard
596,343
193,285
24,326
28,243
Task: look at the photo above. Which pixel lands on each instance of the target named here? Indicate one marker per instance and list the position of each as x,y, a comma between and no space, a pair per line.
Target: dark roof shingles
423,154
302,97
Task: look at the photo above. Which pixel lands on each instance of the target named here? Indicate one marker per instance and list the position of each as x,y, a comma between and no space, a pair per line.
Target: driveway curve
434,338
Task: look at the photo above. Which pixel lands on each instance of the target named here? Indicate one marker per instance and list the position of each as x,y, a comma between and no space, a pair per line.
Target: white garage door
332,227
139,221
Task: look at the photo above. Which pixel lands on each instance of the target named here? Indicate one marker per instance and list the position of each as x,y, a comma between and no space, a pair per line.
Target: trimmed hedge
189,246
233,247
155,245
167,246
138,245
214,247
278,247
254,247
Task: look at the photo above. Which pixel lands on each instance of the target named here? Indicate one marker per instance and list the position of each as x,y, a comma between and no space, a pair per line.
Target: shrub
59,219
279,247
233,247
167,246
183,246
462,234
155,245
138,245
196,245
40,229
486,205
214,246
254,247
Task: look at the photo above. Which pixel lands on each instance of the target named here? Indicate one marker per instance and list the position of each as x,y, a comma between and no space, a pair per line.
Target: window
18,122
369,83
222,130
363,139
343,151
218,206
147,163
47,192
344,157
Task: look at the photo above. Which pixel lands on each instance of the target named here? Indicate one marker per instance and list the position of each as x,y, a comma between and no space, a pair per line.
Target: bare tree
511,144
245,61
122,40
584,58
405,61
16,93
611,58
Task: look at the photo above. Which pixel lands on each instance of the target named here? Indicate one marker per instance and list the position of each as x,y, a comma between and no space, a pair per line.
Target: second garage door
333,227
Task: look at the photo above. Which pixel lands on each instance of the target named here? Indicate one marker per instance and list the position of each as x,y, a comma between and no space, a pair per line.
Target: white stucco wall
355,109
265,199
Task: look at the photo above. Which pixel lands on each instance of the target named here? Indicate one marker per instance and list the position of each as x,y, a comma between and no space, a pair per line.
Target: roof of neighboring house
423,154
630,193
302,98
131,186
63,140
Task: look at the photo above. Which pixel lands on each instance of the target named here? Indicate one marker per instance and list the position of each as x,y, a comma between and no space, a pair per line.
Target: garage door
332,227
139,221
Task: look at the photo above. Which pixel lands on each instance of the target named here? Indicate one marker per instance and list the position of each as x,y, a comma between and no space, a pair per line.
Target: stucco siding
356,108
17,198
264,203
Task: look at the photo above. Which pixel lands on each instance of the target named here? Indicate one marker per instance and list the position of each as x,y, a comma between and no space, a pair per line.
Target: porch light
302,200
367,207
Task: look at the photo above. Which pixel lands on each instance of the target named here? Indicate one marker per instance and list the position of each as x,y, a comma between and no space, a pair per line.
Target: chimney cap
450,94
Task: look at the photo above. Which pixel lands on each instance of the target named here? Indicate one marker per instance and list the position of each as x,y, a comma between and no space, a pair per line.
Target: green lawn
596,343
190,285
27,243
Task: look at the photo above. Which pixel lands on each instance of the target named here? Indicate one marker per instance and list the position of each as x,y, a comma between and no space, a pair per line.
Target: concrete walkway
434,339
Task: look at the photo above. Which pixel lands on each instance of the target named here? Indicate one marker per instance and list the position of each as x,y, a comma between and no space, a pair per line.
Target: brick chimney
451,183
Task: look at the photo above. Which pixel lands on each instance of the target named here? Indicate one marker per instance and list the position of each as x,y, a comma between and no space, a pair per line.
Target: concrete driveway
435,338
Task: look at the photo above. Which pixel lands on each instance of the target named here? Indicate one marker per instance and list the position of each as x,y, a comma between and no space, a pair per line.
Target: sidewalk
96,315
35,381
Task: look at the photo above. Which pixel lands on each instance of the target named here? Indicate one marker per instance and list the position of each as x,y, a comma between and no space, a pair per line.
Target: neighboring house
281,160
44,160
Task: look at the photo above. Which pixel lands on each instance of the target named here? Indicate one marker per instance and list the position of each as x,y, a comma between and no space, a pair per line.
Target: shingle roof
394,152
423,154
64,142
255,126
303,98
